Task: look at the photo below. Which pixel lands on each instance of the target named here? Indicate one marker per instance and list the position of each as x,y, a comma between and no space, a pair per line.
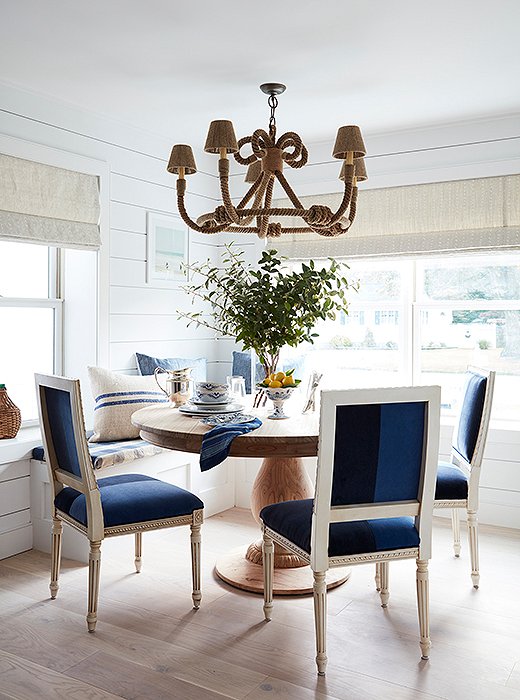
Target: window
424,322
30,320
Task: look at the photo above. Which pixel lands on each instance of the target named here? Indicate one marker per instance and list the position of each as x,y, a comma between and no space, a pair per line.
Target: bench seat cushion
107,454
130,498
292,519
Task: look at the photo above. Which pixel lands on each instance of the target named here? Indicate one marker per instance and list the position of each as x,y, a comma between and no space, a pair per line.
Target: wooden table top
294,437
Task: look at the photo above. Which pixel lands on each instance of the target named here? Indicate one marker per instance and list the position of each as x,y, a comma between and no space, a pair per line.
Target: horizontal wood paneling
14,470
122,355
124,244
144,328
14,495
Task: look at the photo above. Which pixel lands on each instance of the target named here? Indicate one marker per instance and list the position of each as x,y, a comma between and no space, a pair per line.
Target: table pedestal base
283,559
235,569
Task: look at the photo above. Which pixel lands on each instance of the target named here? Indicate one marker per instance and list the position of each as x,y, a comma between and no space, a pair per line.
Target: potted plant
267,306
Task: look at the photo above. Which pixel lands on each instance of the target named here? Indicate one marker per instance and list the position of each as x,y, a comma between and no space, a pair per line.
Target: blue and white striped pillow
117,396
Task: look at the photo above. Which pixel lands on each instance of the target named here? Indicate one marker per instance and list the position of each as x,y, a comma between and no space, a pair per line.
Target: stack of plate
203,408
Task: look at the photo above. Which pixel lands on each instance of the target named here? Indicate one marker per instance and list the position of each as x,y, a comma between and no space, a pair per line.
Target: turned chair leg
195,564
320,620
455,525
377,577
423,604
473,547
57,530
383,582
138,551
94,563
268,568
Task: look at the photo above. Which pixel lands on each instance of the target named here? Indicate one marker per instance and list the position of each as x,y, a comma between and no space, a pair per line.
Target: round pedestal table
282,477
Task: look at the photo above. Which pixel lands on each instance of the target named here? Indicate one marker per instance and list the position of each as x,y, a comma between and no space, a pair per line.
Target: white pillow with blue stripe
117,396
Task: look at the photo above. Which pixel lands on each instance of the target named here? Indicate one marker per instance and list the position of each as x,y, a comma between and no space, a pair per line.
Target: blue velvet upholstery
59,413
130,498
452,483
147,364
292,519
470,415
372,461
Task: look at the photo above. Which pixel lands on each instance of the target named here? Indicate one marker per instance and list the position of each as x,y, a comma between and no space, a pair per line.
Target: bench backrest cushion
117,396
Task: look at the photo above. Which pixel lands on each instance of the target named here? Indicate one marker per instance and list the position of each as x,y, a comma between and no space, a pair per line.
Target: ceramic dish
191,410
196,402
231,418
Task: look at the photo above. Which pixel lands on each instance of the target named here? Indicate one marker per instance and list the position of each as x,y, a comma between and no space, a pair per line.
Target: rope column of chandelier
265,165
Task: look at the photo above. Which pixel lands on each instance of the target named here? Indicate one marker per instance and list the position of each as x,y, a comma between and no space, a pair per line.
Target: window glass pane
376,283
452,339
24,270
27,347
470,279
352,351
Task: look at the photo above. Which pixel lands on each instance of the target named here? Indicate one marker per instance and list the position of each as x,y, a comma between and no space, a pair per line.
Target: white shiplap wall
137,316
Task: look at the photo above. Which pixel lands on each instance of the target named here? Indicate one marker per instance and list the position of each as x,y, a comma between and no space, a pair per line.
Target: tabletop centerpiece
268,305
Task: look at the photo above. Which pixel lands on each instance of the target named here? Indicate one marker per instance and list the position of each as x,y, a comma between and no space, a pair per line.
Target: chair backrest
65,444
377,458
471,429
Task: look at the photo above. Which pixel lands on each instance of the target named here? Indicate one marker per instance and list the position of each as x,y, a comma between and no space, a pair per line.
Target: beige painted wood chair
116,505
458,480
375,483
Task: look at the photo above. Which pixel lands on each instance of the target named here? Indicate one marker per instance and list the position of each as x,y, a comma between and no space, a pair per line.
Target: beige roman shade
47,205
445,217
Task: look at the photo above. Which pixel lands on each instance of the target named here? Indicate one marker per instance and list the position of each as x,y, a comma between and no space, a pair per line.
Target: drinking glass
237,387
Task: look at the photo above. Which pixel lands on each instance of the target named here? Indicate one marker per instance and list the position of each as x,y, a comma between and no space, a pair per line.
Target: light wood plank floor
149,643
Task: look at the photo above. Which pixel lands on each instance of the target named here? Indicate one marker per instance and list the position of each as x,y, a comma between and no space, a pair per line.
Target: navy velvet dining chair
375,482
458,480
116,505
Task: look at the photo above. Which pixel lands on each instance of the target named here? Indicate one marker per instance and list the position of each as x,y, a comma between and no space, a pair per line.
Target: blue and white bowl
210,392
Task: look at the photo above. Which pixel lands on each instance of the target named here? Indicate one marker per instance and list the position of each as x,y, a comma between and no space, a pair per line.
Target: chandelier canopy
265,165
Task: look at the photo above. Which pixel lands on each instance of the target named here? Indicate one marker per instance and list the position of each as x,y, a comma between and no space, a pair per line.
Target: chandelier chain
272,101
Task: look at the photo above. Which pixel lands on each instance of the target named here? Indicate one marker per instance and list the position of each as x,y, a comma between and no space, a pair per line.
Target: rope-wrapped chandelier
265,165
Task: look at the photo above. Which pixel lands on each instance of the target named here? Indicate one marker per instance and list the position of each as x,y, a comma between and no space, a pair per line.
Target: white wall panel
122,355
144,328
131,246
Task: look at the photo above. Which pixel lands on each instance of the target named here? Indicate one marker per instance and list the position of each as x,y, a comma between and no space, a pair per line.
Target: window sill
21,446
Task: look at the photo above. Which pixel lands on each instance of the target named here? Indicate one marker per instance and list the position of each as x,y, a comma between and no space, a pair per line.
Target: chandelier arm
264,178
223,168
181,189
288,190
263,221
347,194
250,192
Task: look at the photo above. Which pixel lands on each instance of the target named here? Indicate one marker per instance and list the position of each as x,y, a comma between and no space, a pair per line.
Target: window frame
54,301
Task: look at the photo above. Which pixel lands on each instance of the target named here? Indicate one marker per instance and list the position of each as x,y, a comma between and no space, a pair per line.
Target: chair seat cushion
130,498
107,454
452,484
292,520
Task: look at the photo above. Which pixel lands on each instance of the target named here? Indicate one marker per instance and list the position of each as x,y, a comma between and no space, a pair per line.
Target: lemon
271,377
288,381
280,376
274,384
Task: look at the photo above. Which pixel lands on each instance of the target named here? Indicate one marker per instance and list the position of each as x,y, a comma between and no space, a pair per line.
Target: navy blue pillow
242,367
147,364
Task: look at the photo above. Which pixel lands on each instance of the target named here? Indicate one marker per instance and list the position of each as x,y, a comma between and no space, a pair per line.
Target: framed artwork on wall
167,249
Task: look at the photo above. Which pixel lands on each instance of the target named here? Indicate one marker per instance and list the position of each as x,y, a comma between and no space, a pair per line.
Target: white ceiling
170,67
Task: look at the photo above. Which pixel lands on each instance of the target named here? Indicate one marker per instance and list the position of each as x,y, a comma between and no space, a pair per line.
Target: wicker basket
10,417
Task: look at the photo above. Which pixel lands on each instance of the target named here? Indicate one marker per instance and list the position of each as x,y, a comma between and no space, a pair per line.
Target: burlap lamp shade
349,140
253,171
221,134
360,170
182,157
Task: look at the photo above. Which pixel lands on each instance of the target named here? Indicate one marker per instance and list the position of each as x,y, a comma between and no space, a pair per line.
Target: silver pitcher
177,384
